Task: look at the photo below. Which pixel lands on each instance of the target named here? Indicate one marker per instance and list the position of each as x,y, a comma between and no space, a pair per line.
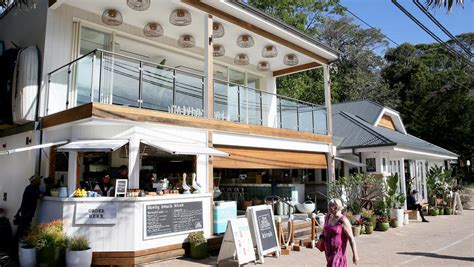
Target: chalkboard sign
172,218
266,229
263,228
121,187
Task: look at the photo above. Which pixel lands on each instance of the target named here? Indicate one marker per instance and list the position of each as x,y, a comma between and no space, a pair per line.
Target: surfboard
25,85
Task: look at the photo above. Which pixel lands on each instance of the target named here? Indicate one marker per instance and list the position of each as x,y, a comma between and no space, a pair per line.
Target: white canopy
93,145
15,150
355,163
184,149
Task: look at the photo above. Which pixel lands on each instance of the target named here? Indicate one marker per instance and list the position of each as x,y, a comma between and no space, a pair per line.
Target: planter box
82,258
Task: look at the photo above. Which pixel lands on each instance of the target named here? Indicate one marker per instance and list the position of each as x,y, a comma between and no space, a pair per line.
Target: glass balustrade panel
269,110
82,78
157,87
225,102
189,94
120,80
288,109
58,91
305,117
250,109
320,126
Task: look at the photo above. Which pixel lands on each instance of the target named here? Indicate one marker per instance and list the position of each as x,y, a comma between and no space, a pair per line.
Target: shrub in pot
448,211
198,245
369,228
433,212
382,223
79,253
441,211
394,223
51,244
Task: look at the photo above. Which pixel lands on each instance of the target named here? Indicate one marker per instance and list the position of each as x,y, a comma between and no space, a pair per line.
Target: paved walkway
445,241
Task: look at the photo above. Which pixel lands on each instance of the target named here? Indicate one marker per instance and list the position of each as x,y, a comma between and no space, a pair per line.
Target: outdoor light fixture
263,66
112,17
186,41
180,17
138,5
217,30
219,50
153,29
241,59
290,60
245,41
269,51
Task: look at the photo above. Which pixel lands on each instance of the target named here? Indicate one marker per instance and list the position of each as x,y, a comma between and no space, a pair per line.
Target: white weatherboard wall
15,169
127,233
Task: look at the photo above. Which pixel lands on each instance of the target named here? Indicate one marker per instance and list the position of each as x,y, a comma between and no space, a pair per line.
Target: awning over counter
93,145
184,149
355,163
15,150
258,158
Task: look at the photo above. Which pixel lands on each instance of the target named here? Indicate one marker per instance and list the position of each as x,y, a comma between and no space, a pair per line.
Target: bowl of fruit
80,193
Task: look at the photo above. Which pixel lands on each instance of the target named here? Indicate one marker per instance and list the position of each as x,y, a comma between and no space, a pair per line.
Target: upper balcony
110,78
119,64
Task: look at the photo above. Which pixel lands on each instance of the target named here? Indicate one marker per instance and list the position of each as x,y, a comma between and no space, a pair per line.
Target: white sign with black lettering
96,213
121,187
237,242
262,225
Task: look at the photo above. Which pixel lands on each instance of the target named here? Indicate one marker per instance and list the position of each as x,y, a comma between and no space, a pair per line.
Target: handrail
127,57
277,95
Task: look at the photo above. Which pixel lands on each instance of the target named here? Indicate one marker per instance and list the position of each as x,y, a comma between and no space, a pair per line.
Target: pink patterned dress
335,242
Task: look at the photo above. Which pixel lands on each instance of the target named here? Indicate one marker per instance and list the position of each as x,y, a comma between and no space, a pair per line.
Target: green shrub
197,238
78,243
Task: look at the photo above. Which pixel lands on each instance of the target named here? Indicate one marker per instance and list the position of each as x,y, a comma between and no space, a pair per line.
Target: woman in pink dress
336,232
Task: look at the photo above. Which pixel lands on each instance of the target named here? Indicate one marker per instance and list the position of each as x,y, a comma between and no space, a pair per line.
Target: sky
383,14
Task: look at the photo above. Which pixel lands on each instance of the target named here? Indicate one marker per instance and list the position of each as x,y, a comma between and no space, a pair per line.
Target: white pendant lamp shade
269,51
241,59
290,60
219,50
245,41
180,17
112,17
138,5
153,29
263,66
217,30
186,41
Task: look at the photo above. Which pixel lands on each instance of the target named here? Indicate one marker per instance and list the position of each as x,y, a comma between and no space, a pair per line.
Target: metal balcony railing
106,77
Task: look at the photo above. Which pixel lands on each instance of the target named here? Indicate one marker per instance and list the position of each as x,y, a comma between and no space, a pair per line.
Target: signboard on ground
263,228
237,242
95,213
121,187
172,218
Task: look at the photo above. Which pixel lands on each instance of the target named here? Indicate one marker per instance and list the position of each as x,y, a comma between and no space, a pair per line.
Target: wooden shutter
258,158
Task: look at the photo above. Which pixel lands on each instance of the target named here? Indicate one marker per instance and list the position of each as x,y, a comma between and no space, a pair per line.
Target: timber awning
258,158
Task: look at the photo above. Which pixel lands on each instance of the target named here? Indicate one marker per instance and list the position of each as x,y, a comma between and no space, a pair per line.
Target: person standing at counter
123,172
105,187
27,210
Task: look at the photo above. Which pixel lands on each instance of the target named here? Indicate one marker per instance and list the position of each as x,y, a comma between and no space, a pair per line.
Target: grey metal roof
367,110
356,132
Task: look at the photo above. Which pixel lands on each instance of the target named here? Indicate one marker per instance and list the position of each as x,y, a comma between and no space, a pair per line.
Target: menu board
121,187
266,229
172,218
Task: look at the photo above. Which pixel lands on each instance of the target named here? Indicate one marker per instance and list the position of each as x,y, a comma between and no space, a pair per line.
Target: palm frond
444,3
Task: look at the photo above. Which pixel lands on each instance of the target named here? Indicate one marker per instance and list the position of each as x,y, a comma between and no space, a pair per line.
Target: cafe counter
118,224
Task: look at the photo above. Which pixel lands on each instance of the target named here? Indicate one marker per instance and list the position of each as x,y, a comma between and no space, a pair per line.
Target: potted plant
441,210
434,211
27,251
51,244
382,223
369,216
78,253
448,211
369,227
395,201
394,223
198,245
356,226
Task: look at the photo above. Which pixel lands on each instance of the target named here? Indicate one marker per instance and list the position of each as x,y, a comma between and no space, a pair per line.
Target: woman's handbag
320,245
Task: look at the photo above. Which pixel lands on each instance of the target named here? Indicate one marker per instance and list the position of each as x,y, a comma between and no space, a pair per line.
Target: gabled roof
357,131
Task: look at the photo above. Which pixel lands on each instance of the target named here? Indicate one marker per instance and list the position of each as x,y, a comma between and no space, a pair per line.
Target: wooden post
327,98
313,230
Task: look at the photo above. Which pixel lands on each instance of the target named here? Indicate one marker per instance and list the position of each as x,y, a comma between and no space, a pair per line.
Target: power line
435,21
423,27
363,21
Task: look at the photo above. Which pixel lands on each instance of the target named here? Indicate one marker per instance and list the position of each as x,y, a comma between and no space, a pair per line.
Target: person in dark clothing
412,204
105,187
28,206
123,172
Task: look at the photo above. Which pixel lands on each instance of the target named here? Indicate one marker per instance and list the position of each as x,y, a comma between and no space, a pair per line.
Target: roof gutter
285,26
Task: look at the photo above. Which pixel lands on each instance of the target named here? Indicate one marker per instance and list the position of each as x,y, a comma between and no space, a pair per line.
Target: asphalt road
445,241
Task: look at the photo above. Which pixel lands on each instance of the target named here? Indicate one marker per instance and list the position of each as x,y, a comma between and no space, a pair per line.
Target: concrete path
445,241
